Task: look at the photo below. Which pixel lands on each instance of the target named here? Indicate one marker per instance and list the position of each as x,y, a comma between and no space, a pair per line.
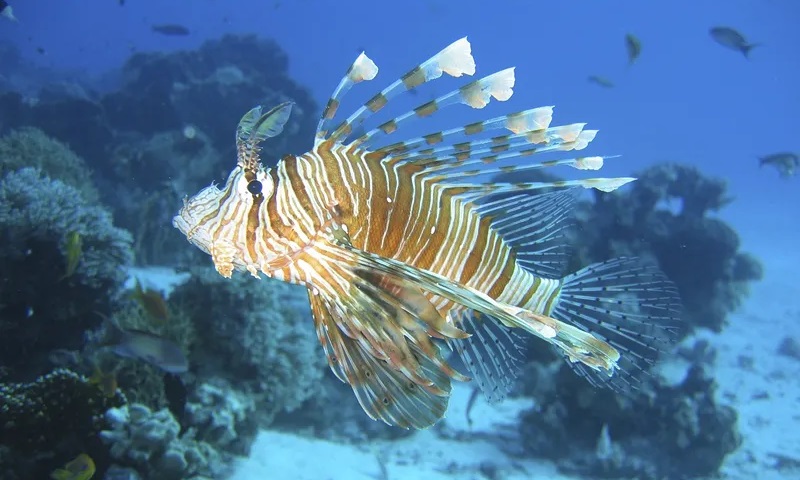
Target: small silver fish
152,348
730,38
633,46
786,163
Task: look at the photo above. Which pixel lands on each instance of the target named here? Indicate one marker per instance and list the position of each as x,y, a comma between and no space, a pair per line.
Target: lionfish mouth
185,222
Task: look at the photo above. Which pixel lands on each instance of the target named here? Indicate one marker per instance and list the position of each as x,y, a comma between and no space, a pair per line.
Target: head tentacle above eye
255,127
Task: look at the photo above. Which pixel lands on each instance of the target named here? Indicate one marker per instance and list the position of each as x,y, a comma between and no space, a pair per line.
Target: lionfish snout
193,218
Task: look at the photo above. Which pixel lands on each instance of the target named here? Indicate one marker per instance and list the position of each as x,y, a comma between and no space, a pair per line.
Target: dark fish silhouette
732,39
602,81
170,29
633,46
786,163
176,394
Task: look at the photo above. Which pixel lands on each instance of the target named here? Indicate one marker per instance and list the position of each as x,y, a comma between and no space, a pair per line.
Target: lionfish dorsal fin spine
362,69
477,94
455,60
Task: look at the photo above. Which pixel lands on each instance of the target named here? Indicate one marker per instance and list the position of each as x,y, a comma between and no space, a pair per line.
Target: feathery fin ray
256,126
494,354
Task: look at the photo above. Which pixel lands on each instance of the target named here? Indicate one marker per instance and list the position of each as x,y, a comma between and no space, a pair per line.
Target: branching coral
667,431
152,443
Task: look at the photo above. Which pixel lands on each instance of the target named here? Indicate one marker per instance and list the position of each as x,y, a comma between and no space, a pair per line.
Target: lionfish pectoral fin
494,354
627,305
383,391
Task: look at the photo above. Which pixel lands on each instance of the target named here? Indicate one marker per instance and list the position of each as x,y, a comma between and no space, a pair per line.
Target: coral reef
144,383
221,417
170,127
210,88
151,443
259,329
49,421
40,309
664,216
665,431
30,147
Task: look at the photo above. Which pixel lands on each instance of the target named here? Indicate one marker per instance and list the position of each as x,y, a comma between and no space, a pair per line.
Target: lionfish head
216,216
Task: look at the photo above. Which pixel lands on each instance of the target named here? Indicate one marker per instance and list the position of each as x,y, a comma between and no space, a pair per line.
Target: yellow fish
74,250
105,381
82,468
151,301
406,244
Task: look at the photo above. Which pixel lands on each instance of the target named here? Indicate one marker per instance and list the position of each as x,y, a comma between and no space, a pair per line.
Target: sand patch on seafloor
765,390
452,451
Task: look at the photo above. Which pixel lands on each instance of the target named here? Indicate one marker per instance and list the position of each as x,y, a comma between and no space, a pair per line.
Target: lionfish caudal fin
624,303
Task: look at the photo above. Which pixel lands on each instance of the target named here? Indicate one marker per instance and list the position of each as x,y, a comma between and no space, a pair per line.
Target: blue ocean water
686,99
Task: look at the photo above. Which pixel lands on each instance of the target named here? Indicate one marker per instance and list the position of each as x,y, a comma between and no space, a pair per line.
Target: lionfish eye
254,187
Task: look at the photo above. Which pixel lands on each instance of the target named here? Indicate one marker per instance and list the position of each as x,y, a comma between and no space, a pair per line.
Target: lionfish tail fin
628,305
455,60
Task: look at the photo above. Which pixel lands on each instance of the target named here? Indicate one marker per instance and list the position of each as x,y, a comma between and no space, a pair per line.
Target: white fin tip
363,69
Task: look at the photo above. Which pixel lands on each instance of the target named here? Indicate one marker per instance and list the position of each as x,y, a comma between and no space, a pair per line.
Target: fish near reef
404,245
81,468
73,253
151,301
151,348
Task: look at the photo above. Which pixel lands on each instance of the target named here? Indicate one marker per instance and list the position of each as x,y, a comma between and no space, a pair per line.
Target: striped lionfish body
410,244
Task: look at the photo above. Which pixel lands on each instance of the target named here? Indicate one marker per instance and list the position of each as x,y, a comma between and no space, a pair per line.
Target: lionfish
410,245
